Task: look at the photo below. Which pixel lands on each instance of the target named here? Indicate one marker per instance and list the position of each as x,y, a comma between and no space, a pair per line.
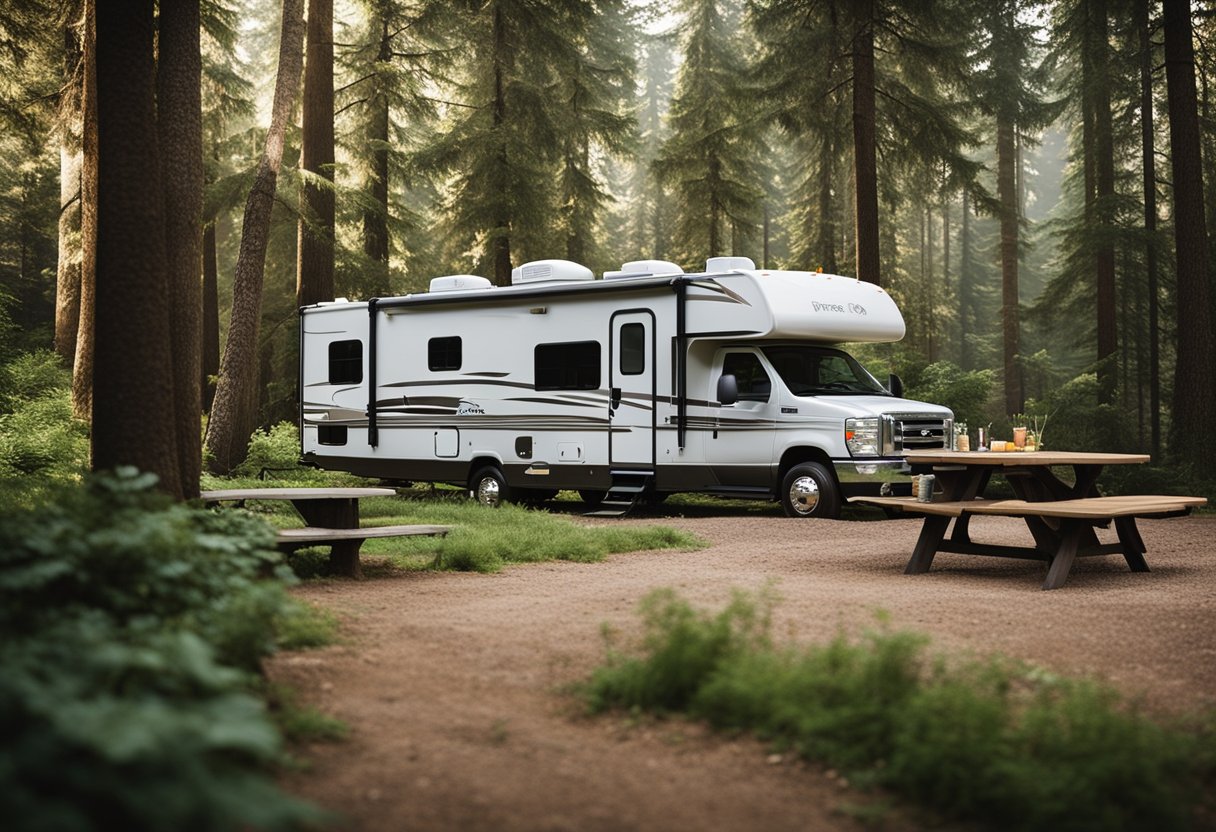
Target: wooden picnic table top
295,493
1009,459
1089,507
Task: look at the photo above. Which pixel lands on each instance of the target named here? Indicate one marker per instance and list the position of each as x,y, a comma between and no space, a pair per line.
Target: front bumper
874,476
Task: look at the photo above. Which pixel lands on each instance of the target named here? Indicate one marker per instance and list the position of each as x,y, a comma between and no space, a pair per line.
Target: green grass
993,741
484,540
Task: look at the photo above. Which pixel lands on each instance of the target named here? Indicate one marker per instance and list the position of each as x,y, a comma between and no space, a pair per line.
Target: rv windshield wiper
832,388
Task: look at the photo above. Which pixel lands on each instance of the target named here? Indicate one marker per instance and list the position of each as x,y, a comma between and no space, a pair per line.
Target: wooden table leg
344,558
1062,560
972,490
336,513
1133,544
931,534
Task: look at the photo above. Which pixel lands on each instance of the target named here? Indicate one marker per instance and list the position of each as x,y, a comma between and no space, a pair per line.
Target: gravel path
453,684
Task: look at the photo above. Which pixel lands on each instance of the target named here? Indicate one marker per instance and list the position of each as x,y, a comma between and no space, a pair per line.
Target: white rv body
561,381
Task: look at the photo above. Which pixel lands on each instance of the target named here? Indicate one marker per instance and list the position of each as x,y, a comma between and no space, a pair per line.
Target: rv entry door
631,389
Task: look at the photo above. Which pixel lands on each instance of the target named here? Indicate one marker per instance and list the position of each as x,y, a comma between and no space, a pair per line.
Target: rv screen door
631,387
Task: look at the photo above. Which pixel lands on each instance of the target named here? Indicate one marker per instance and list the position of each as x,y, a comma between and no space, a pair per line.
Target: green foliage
991,741
966,392
1076,421
40,443
132,627
276,448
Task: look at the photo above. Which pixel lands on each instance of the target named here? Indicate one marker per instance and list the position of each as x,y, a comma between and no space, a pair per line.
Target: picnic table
332,518
1059,515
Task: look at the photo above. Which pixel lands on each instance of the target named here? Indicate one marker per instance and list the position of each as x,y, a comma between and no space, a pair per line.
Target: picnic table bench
332,515
1061,517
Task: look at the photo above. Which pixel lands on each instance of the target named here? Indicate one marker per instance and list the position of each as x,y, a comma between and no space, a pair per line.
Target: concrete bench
345,543
1062,529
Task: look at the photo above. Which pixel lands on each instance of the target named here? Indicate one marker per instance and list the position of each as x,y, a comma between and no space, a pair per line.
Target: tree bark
133,391
375,218
211,317
234,410
865,172
500,237
1194,394
1007,196
825,242
965,299
1105,170
67,272
180,126
315,263
1149,166
82,366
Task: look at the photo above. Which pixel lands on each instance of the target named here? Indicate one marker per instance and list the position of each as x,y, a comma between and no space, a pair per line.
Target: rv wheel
809,490
489,487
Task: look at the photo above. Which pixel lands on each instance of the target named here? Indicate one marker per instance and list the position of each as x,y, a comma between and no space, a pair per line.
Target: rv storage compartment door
447,442
631,390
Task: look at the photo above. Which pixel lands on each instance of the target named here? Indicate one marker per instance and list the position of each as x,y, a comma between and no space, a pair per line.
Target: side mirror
728,389
895,386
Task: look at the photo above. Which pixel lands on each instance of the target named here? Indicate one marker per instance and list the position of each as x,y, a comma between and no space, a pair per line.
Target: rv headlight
861,436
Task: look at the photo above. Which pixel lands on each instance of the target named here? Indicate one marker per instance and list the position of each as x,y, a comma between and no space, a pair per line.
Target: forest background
1034,183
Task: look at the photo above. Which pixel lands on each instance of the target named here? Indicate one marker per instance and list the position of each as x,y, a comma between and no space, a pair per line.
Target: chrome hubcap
488,493
804,495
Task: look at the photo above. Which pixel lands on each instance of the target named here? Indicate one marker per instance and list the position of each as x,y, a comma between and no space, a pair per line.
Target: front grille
916,432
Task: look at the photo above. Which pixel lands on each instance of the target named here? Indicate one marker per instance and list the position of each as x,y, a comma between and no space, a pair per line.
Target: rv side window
443,353
345,362
574,365
753,381
633,349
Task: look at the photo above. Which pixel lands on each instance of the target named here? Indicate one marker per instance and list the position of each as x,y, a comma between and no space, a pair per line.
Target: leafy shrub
276,448
992,741
966,392
1077,422
132,628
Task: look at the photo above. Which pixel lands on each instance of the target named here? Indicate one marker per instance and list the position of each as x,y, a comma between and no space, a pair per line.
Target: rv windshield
821,371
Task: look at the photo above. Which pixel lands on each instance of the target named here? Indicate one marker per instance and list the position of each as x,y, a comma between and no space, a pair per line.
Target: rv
628,388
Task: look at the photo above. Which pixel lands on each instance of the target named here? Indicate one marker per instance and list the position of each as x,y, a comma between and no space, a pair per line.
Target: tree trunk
234,411
67,273
133,391
1194,394
1007,196
1105,169
82,366
180,125
500,237
1149,166
825,243
211,317
375,218
315,264
865,172
966,302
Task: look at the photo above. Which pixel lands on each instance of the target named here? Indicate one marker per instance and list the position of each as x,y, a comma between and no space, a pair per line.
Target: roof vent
458,282
644,268
729,264
550,271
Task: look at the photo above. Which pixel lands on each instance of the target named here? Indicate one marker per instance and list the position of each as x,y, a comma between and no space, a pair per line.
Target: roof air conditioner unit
550,271
644,268
729,264
459,282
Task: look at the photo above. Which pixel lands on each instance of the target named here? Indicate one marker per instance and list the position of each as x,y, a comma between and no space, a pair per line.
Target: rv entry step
627,489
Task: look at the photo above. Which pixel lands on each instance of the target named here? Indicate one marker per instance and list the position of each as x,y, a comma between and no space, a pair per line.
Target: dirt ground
455,686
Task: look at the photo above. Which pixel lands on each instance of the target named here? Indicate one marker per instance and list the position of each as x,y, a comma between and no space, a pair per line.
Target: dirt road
455,685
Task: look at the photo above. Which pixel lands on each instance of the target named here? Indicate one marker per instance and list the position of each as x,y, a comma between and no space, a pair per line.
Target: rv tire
489,487
810,490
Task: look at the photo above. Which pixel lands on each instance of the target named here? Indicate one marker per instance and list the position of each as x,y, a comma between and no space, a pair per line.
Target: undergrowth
993,741
134,629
